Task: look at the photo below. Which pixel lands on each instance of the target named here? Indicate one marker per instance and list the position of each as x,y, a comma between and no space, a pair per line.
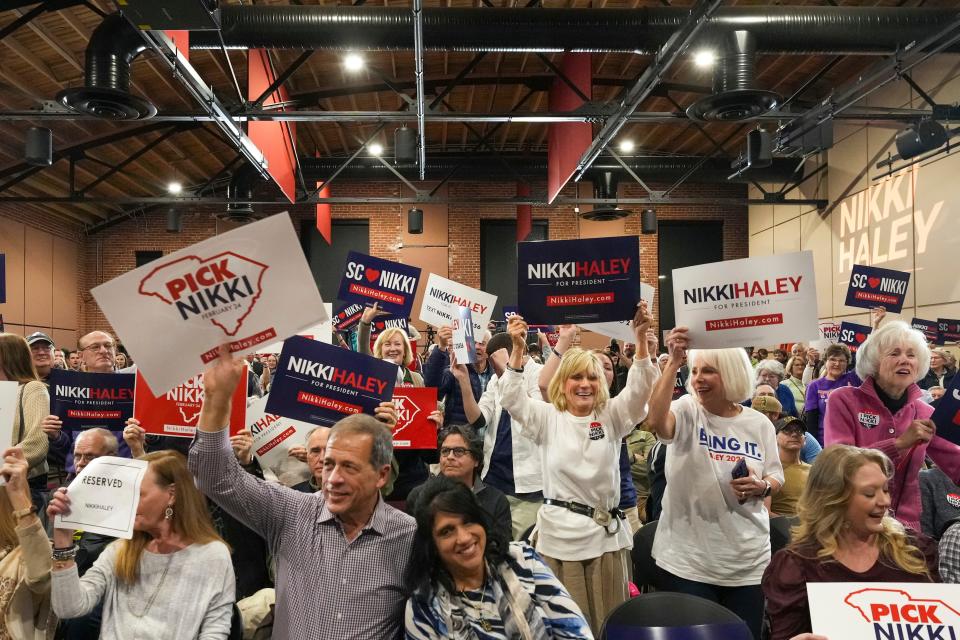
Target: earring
168,513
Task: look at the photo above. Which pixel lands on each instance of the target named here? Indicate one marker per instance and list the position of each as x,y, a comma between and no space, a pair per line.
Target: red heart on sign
873,282
860,337
372,274
379,325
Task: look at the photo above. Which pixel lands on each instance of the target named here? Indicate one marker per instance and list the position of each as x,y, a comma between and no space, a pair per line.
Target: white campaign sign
622,330
440,293
829,333
739,303
104,497
464,344
247,287
9,406
885,610
273,435
322,332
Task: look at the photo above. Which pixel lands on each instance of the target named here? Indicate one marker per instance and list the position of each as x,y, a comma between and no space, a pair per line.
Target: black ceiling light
648,221
404,145
415,221
921,137
605,185
734,96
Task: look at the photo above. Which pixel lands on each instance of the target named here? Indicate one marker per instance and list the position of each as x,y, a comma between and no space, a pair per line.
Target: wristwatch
515,369
768,490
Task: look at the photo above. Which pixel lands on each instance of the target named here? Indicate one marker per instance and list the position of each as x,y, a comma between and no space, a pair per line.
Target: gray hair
885,338
106,437
773,366
362,424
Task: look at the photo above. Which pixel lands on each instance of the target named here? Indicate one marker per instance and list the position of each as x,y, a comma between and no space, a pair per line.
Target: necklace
485,624
156,592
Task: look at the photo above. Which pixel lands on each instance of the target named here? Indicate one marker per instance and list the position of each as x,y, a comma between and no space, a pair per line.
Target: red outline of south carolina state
898,592
202,261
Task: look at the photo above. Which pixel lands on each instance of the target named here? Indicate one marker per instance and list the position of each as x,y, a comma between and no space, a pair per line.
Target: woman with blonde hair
580,531
175,562
845,534
33,405
392,344
943,366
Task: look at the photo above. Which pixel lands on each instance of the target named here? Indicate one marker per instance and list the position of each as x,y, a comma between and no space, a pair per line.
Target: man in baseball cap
791,435
41,349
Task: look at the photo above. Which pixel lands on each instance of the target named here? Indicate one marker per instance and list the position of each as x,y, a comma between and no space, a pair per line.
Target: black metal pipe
113,46
790,30
534,167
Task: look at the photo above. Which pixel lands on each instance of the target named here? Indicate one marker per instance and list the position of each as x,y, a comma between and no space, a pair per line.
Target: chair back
667,615
780,532
645,569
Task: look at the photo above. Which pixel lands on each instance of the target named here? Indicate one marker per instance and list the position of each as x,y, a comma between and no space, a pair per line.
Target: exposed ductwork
605,184
534,167
789,30
240,188
106,91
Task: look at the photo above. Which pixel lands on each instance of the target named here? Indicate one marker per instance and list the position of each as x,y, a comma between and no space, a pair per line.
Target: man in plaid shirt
950,553
342,554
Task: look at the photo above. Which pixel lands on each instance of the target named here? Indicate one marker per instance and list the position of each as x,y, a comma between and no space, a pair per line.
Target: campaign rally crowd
752,471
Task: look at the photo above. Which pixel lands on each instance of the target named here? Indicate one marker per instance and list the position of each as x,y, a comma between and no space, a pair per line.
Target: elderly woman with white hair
887,412
713,537
771,372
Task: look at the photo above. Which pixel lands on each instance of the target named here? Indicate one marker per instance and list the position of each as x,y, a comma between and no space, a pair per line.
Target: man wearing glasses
41,351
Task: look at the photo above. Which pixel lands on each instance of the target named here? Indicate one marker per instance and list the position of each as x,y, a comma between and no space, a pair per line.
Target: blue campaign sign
318,383
853,334
346,316
87,400
578,281
930,329
947,414
367,279
875,287
949,329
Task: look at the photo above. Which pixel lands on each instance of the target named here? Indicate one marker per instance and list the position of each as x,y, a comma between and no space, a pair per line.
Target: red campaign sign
414,429
176,412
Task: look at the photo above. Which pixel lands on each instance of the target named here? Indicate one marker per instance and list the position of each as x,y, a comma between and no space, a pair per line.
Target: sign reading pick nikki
414,429
246,287
947,414
175,413
872,287
104,497
745,302
885,610
564,281
87,400
853,334
367,280
319,383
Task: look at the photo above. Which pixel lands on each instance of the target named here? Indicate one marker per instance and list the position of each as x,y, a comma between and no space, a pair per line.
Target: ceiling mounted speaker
174,220
39,147
648,221
404,145
919,138
415,221
759,149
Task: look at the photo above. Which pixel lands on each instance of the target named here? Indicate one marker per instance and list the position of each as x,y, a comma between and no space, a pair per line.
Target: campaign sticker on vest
930,329
565,281
88,400
868,420
623,329
853,335
954,500
9,406
596,431
104,497
347,316
318,383
274,435
949,329
367,279
877,287
322,332
736,303
247,287
885,610
947,414
414,429
442,296
175,413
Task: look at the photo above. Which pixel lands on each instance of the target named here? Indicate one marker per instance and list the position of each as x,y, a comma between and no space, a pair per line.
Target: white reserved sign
322,332
622,330
273,435
440,293
885,610
739,303
104,497
247,287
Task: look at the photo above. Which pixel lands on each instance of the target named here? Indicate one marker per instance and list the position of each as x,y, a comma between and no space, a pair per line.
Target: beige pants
597,585
523,515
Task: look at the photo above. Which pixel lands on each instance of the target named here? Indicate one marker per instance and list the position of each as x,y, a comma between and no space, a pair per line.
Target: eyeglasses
97,346
85,457
457,452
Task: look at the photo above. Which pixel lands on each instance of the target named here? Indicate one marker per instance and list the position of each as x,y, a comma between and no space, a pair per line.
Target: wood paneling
65,284
11,245
38,266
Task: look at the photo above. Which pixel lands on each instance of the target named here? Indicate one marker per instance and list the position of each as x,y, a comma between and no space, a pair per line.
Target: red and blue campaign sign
872,287
414,428
949,329
564,281
367,280
853,334
947,414
930,329
318,383
346,316
87,400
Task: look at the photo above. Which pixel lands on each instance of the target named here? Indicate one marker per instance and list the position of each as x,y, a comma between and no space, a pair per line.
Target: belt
601,517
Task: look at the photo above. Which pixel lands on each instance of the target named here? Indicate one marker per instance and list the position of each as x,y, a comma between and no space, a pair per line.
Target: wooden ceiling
46,55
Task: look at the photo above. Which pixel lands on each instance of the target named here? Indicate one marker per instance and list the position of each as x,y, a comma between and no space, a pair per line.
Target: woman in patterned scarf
471,584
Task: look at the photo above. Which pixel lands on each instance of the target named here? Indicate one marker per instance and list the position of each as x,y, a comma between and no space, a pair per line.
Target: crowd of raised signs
564,483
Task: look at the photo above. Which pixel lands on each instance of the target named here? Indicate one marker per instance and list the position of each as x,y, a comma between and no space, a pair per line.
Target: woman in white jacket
580,532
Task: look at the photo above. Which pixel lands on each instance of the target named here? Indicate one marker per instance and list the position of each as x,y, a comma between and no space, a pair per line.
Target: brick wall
110,252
